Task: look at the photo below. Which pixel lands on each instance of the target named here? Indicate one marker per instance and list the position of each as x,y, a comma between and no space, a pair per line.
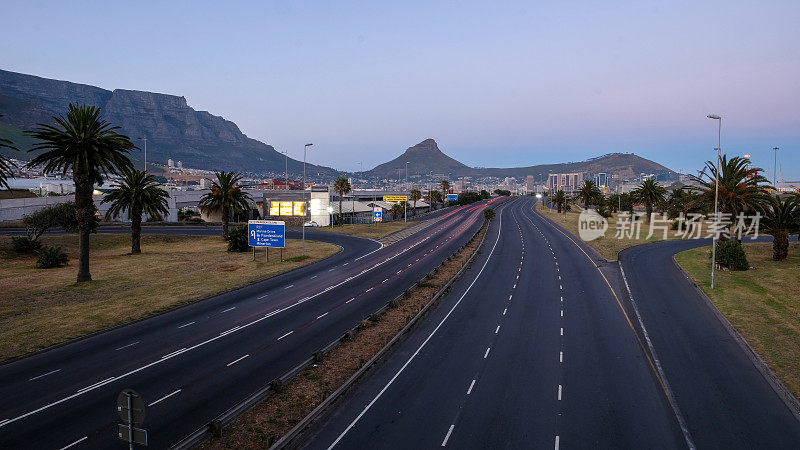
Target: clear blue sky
495,83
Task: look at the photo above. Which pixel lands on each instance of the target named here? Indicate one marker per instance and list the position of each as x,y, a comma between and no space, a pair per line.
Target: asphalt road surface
194,363
539,346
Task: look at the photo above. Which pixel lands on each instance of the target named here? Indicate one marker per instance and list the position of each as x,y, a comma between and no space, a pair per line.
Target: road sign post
131,409
266,233
377,216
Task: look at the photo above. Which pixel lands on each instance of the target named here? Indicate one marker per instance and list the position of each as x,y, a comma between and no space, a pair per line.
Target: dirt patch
279,413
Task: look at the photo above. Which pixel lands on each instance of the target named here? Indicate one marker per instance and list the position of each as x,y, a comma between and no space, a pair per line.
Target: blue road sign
377,216
266,233
452,197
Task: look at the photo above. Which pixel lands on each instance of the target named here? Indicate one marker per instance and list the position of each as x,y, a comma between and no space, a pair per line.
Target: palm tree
650,193
415,196
588,193
560,199
90,147
137,193
741,187
341,186
225,198
445,189
435,197
396,210
781,218
6,166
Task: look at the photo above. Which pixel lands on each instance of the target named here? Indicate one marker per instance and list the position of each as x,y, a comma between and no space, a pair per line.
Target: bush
25,244
488,214
52,257
604,212
731,254
237,239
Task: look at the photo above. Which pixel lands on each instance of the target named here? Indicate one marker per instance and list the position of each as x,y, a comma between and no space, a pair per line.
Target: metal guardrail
214,428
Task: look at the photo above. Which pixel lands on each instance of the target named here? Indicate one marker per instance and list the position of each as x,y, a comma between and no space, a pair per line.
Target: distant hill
422,158
426,157
173,129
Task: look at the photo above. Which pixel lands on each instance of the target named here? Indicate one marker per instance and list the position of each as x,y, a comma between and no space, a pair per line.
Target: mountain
173,129
422,158
426,157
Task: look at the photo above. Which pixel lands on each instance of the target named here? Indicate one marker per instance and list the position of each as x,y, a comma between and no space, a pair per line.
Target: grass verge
763,303
608,246
279,413
43,307
371,230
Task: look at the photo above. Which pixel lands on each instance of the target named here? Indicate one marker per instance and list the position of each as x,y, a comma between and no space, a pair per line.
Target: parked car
311,223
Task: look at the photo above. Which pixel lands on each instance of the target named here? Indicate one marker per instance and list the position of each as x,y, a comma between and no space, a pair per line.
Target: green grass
763,303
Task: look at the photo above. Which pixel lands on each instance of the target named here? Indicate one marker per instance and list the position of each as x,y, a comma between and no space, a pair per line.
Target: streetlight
775,169
716,196
145,151
405,206
305,213
286,170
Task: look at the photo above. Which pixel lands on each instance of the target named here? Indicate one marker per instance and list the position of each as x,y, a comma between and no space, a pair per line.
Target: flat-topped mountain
173,129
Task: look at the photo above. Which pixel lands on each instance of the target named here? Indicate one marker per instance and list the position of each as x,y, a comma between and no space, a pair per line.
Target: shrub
603,211
731,254
237,239
488,214
52,257
25,244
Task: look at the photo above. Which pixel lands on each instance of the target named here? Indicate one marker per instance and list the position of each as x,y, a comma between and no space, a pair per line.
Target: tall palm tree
90,147
588,193
649,193
225,198
341,186
415,196
435,197
781,218
445,189
560,199
397,210
741,187
6,166
137,193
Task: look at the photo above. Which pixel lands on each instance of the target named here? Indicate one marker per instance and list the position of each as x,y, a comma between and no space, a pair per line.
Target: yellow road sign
395,198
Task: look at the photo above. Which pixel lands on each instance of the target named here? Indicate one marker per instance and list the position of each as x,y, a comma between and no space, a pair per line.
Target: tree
781,218
415,196
741,187
61,215
649,193
435,197
445,189
627,202
397,210
6,166
588,193
342,187
137,193
91,148
485,194
560,199
225,198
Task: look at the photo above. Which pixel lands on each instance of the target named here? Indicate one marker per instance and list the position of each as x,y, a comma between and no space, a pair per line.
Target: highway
531,349
540,346
195,362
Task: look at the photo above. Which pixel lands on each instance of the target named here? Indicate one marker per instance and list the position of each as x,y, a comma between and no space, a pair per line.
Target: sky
497,84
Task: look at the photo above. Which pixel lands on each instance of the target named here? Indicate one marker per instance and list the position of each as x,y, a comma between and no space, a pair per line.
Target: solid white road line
98,384
487,353
471,385
75,443
350,300
44,375
163,398
126,346
237,360
419,349
285,335
444,442
186,324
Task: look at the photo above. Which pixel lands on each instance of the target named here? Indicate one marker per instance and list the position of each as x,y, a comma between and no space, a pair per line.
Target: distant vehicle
311,223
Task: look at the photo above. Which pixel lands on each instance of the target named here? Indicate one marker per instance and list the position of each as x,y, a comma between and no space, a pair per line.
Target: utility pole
305,215
405,206
775,169
286,170
716,196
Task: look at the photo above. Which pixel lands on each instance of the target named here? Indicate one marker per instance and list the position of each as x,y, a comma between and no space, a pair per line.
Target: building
530,183
179,165
170,163
602,180
568,182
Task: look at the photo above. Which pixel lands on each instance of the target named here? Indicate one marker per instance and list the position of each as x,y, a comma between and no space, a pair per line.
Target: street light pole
286,170
716,196
305,215
405,206
775,169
